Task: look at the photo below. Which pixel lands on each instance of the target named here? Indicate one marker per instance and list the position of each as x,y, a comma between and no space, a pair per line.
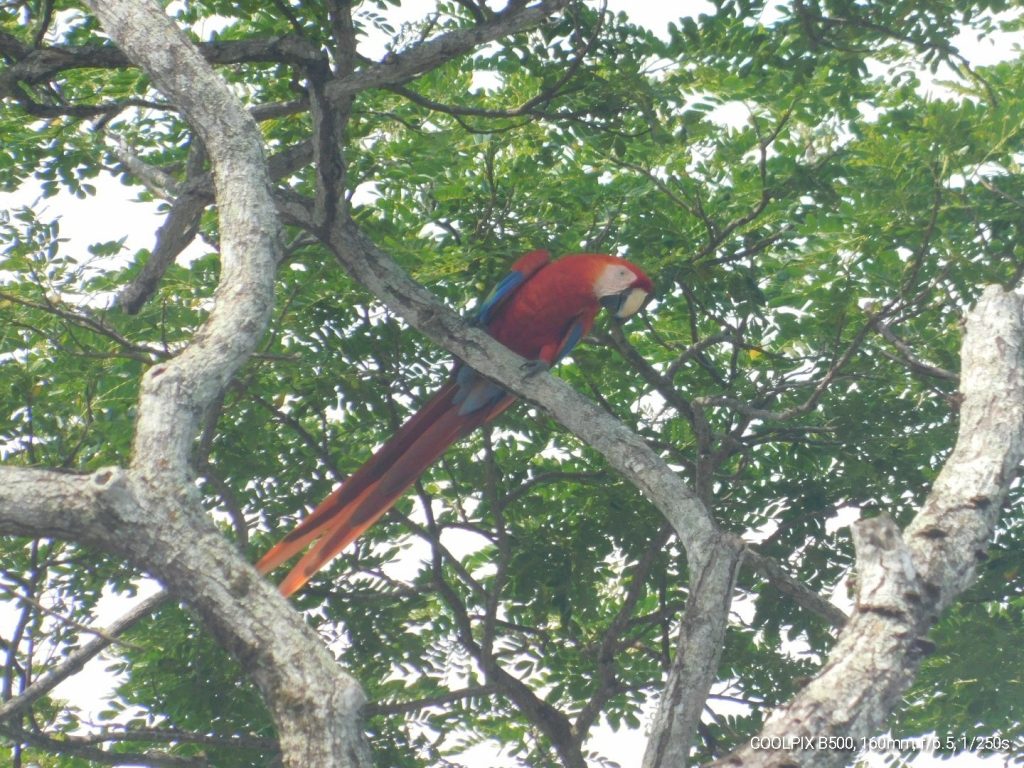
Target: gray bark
698,651
713,556
905,580
150,513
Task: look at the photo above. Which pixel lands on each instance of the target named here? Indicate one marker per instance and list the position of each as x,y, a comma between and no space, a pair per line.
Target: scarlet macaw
540,310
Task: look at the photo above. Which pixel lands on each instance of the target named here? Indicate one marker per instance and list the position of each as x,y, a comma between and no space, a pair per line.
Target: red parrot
540,310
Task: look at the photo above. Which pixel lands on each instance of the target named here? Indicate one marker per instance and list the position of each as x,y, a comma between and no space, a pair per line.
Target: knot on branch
109,478
350,695
115,499
299,49
887,582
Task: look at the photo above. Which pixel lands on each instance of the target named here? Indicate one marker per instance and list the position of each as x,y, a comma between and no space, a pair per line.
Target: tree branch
174,236
795,589
76,746
396,69
711,554
907,355
76,660
154,506
698,650
905,581
36,65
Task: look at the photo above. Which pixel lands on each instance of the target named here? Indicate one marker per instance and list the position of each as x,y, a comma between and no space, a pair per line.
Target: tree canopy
820,190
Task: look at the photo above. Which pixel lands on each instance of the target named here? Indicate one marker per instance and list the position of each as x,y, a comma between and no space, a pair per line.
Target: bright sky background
112,214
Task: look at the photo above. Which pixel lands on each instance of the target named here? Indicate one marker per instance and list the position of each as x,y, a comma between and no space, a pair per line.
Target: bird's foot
533,367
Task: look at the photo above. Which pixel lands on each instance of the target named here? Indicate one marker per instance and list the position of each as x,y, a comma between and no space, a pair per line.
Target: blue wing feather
474,391
497,297
521,271
571,339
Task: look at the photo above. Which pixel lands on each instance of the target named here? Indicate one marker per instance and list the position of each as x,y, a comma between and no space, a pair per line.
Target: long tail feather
371,491
358,514
342,531
320,519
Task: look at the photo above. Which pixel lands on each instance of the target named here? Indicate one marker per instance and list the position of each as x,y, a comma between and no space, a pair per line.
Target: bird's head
622,287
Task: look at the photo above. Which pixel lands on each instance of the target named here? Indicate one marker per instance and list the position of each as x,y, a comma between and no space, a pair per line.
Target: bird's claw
533,367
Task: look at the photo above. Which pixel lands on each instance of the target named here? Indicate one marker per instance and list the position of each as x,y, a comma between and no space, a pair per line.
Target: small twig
77,659
908,356
793,588
57,614
77,747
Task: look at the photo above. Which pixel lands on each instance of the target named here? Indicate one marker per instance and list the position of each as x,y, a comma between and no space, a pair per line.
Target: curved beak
625,303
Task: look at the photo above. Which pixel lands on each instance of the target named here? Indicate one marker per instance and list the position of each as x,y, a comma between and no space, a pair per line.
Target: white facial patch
616,279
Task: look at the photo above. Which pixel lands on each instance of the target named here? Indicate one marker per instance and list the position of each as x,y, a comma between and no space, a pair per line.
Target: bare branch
795,589
430,54
84,748
76,660
35,65
907,355
55,614
83,319
174,236
905,581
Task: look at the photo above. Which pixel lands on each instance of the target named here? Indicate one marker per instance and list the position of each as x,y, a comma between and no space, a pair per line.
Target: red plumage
540,311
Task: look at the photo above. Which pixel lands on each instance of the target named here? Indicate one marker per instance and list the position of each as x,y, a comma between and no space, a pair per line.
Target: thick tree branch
950,535
430,54
701,639
905,581
151,513
59,505
175,395
712,555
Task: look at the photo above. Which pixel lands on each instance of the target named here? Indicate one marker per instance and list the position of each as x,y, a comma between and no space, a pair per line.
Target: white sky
111,214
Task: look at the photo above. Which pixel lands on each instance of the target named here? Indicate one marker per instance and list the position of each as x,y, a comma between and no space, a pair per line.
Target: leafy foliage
817,212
